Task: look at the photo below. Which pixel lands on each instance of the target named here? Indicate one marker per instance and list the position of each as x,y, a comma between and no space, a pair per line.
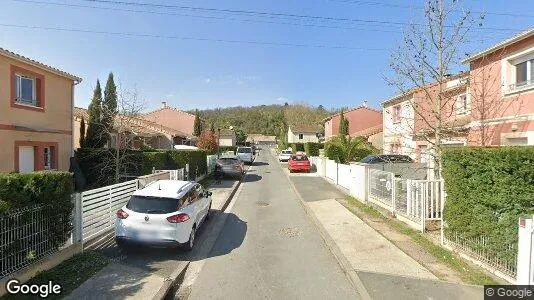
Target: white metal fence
381,187
344,176
28,235
331,170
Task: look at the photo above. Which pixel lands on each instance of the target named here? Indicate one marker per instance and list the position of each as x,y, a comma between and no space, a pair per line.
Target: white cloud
207,80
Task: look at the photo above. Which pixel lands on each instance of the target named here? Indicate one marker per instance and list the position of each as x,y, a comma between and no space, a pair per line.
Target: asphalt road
268,247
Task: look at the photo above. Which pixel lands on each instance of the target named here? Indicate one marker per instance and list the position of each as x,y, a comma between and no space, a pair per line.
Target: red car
299,162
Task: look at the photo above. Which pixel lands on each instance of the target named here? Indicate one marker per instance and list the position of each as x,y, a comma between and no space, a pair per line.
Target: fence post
409,197
442,206
393,193
423,207
186,172
77,218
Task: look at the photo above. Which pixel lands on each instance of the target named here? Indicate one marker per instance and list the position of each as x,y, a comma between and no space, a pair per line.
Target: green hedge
297,147
28,202
334,152
98,165
228,148
311,149
488,189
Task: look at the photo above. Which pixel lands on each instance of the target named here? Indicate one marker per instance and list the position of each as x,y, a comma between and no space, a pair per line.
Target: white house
302,134
227,138
399,125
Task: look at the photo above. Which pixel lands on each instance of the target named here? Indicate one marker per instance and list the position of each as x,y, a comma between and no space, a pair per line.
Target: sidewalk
376,266
147,275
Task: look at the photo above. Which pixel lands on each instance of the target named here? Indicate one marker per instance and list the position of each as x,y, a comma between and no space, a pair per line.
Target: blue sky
191,73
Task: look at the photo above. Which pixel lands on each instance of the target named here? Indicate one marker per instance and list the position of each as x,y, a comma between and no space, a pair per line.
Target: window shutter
38,91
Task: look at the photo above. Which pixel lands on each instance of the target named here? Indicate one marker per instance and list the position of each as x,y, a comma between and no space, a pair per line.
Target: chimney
164,104
365,103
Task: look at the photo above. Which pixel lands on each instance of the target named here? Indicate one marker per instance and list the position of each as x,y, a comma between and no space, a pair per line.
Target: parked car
232,167
299,162
285,155
386,158
164,213
246,154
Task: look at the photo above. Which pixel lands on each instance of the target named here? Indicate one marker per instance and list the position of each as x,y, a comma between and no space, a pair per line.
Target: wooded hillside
264,119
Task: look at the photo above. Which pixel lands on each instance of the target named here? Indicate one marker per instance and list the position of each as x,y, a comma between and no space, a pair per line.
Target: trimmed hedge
29,201
488,189
311,149
98,165
334,152
297,147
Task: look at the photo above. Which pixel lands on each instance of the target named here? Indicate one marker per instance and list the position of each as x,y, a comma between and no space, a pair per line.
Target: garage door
26,159
518,141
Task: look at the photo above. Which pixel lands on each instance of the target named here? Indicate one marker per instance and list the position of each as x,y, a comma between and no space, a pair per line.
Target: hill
264,119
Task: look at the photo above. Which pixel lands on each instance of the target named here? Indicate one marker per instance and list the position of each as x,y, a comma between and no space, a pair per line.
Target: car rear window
287,152
228,161
153,205
244,150
299,157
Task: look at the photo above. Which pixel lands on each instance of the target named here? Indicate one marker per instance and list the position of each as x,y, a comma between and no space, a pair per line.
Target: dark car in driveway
229,167
386,158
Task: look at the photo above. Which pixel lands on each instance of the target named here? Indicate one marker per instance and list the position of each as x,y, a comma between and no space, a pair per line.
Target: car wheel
208,214
191,242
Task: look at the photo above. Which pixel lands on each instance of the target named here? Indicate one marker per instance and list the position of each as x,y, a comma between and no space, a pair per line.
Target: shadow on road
222,183
252,178
260,163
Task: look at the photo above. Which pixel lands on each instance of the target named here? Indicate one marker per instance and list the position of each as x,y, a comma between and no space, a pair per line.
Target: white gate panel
331,170
344,176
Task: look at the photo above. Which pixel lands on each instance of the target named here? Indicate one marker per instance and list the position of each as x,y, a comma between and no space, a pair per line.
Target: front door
26,159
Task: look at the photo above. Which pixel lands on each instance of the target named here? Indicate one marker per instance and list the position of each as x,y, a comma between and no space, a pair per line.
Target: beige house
141,132
261,139
36,103
227,138
302,134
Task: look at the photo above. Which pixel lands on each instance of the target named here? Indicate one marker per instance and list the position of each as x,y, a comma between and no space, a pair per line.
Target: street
268,247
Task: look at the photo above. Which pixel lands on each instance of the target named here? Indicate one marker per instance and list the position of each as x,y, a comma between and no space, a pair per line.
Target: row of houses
490,104
40,126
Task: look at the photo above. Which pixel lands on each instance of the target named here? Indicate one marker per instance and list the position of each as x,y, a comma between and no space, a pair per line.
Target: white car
285,155
246,154
164,213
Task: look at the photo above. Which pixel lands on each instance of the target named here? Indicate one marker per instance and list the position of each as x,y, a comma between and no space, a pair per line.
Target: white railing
211,161
344,176
331,170
100,205
381,188
178,174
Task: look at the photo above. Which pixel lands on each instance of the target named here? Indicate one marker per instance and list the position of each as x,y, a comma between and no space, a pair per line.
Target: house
302,134
409,131
227,138
261,139
501,80
176,119
35,114
363,121
142,133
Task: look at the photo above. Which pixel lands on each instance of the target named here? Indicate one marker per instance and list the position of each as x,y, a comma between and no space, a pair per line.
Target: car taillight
179,218
121,214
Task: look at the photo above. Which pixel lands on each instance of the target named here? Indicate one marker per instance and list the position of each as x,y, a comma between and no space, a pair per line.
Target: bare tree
422,64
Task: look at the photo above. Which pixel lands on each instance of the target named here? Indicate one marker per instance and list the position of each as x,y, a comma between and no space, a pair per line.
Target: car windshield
244,150
153,205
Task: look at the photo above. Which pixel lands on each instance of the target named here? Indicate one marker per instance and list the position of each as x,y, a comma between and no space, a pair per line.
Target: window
48,157
524,74
153,205
25,90
396,113
394,148
463,104
301,136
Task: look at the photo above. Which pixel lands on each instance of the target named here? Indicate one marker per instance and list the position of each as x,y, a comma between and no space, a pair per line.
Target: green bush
158,160
197,160
282,145
35,213
228,148
311,149
297,147
334,152
488,189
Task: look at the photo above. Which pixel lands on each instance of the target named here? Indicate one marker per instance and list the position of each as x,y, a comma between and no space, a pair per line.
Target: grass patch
468,273
69,274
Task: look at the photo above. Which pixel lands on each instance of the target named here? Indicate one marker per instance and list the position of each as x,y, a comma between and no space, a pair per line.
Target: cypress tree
93,139
197,127
343,125
82,133
109,107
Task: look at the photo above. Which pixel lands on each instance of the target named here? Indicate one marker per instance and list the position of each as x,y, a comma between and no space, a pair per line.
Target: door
26,159
202,202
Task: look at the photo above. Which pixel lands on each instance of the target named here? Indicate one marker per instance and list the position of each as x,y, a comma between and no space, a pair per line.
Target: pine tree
109,107
197,127
82,133
343,125
93,139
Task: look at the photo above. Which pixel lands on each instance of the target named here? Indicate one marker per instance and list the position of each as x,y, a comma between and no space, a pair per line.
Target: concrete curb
331,244
170,282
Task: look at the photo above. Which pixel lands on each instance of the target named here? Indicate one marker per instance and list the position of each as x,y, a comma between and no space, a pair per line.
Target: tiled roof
168,107
368,131
514,39
137,125
260,138
352,109
38,64
304,128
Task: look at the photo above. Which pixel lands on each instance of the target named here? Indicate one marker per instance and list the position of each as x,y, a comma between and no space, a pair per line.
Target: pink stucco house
363,121
176,119
36,103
